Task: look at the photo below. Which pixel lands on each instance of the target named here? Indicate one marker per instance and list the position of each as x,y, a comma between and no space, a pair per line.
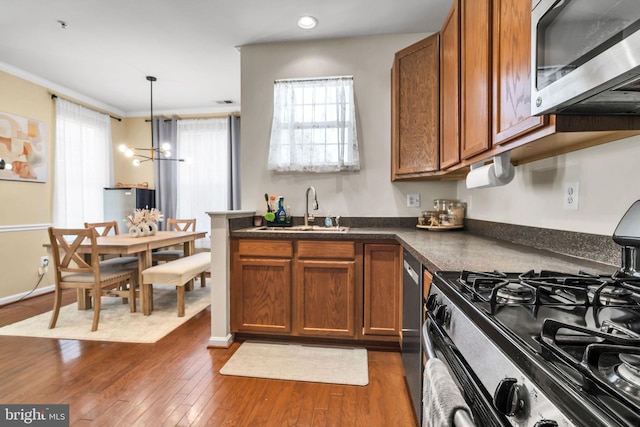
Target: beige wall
368,192
136,132
26,207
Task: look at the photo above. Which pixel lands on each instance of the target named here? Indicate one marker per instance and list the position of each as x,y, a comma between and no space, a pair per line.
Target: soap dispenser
281,214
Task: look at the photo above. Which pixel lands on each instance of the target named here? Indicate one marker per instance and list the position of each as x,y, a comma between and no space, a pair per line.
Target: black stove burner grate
608,358
547,288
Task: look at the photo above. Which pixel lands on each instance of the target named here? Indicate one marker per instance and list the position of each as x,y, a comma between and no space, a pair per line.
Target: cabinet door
415,109
382,289
261,296
450,89
475,77
325,303
512,71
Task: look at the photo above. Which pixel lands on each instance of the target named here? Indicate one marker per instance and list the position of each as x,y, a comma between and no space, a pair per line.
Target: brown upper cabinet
530,137
512,71
450,89
475,87
484,106
415,110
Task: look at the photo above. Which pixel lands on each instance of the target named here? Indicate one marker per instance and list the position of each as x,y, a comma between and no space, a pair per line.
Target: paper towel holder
499,172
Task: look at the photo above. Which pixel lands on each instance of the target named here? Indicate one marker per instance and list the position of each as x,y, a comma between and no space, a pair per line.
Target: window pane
323,128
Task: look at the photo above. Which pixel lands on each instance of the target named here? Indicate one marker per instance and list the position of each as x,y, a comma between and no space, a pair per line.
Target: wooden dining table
143,247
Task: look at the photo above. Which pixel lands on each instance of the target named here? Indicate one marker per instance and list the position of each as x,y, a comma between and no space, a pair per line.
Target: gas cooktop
584,327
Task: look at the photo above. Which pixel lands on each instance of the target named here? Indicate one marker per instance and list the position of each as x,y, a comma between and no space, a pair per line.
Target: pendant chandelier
141,155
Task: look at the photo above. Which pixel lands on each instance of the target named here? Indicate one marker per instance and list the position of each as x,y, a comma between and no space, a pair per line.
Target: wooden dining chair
72,271
175,225
111,228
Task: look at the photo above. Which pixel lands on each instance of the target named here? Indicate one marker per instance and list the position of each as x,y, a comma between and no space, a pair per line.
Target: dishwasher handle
411,272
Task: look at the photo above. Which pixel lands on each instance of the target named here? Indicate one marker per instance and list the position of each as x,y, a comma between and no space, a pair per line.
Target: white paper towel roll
485,176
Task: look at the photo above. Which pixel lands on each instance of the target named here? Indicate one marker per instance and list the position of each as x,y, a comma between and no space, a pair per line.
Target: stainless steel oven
540,348
543,348
585,57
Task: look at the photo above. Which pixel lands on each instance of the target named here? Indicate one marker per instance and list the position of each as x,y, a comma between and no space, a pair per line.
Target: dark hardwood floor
176,382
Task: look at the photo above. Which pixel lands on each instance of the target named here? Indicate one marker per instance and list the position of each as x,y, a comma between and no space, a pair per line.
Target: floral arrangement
141,216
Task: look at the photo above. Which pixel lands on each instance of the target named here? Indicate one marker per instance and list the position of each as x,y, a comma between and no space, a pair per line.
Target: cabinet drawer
271,248
326,250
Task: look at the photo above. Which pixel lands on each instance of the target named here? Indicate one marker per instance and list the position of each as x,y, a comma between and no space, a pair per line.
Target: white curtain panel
203,179
82,165
314,126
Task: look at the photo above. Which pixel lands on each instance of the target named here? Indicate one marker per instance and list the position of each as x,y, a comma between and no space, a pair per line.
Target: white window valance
314,126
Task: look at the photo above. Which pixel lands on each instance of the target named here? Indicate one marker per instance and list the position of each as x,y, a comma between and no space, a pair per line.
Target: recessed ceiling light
307,22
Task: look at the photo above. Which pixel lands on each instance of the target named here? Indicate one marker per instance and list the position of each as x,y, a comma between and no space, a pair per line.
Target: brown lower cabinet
346,290
261,290
382,289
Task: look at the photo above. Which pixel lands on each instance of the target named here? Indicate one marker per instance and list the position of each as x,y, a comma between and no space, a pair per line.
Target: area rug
335,365
116,322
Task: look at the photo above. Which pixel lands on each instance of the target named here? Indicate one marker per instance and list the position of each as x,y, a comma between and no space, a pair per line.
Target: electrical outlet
570,195
44,265
413,200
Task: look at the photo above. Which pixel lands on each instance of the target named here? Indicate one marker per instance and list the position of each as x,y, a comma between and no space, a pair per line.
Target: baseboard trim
29,294
220,342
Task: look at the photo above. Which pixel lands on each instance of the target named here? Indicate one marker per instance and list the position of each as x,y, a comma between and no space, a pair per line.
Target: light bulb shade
166,146
136,162
122,148
129,152
307,22
167,153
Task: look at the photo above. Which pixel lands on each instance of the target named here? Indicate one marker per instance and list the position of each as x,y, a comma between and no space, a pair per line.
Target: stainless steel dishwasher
411,327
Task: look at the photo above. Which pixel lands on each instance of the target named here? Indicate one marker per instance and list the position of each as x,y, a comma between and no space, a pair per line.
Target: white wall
606,174
608,185
369,192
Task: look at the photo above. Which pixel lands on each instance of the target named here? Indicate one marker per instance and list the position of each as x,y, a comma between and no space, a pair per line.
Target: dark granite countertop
451,250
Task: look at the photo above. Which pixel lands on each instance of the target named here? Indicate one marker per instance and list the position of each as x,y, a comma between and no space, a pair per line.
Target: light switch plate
413,200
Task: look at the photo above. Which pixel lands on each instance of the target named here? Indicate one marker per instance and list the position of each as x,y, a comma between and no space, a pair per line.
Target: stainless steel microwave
585,57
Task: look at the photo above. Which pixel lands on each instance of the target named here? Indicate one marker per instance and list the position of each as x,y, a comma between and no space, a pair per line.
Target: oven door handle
461,418
428,345
462,369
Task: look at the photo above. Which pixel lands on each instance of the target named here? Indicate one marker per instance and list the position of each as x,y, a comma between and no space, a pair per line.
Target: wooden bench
178,272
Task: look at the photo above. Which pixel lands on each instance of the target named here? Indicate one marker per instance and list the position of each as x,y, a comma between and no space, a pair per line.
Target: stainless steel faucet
308,216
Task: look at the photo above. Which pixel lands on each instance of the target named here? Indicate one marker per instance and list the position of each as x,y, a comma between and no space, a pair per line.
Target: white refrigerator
121,202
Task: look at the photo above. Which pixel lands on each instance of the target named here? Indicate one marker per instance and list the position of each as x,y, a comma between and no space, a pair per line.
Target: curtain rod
313,78
165,120
54,96
222,115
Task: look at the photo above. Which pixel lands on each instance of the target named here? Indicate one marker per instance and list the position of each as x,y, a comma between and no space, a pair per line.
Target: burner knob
442,315
510,398
546,423
432,302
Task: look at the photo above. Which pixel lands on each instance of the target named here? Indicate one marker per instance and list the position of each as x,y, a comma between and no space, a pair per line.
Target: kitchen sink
303,228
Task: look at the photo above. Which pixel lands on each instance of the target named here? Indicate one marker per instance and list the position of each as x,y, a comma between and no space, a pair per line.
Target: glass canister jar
430,218
447,220
456,209
440,205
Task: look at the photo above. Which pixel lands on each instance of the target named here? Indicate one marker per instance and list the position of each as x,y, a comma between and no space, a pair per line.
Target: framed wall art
23,149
